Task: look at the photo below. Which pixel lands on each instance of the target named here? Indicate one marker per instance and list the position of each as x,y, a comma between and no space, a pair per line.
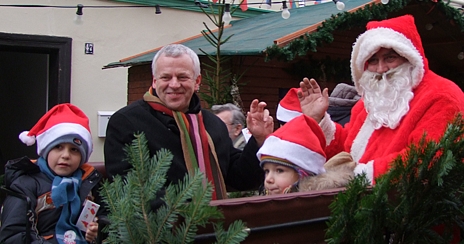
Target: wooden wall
262,80
140,79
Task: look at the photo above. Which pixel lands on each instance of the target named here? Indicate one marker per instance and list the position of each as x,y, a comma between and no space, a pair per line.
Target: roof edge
115,64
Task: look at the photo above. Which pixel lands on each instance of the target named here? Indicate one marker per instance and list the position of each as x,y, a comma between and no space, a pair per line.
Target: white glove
366,168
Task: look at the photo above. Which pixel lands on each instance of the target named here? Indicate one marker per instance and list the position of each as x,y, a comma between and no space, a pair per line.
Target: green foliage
423,190
346,20
219,76
186,204
240,194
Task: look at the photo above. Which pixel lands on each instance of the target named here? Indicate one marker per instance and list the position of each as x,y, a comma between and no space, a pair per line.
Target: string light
157,9
461,54
200,4
429,26
340,5
226,17
268,4
285,12
78,19
197,3
384,1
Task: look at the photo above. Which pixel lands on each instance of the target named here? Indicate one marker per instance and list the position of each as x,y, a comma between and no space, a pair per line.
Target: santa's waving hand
401,98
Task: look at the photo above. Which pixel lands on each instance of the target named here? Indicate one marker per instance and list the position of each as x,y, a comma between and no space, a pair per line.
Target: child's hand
91,233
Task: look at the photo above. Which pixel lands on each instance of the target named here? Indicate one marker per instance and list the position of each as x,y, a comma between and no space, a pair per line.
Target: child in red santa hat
57,183
289,107
293,159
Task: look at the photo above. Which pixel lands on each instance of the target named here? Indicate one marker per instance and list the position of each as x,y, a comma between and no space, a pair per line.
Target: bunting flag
244,5
292,4
215,1
269,3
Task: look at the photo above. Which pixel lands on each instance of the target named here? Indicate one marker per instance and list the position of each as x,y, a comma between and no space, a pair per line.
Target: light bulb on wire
226,17
461,54
285,12
78,19
428,26
340,5
384,1
157,9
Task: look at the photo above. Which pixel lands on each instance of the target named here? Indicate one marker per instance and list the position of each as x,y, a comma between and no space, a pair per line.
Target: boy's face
278,178
64,159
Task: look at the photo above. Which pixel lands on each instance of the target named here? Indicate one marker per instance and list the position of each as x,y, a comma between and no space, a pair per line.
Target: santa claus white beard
386,96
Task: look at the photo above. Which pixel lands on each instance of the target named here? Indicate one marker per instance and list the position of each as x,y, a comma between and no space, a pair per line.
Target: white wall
116,33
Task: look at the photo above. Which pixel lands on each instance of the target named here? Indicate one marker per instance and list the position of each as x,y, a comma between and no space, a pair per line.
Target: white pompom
28,140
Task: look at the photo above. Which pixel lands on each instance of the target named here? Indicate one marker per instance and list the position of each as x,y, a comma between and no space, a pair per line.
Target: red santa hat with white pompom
64,123
289,107
298,144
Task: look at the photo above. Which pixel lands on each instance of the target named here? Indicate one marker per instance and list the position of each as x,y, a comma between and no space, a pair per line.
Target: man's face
234,129
384,60
174,81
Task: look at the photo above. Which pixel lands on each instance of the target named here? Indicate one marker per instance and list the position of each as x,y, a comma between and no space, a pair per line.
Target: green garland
343,21
423,190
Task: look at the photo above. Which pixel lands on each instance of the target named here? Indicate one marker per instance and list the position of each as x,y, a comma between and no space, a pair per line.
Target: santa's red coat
435,104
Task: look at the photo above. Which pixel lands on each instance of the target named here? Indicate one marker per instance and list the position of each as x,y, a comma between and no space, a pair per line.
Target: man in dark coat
171,117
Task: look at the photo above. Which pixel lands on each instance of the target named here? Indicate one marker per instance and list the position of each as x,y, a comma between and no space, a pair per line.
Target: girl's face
278,178
64,159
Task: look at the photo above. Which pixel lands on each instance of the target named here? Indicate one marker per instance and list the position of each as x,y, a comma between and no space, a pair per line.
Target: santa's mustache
385,76
387,95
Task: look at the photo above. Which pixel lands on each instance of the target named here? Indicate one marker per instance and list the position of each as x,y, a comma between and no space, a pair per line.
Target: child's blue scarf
65,192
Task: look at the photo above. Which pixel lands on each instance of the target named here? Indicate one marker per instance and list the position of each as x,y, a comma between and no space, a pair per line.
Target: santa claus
401,98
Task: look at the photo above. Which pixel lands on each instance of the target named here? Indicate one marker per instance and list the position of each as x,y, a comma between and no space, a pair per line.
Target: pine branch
186,204
423,190
235,234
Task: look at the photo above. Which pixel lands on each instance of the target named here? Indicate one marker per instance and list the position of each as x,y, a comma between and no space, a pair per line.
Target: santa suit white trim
436,101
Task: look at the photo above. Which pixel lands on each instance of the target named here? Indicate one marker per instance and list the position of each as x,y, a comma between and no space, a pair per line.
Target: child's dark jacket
24,176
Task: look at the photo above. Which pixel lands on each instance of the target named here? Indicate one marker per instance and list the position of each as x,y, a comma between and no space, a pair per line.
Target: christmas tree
186,204
420,200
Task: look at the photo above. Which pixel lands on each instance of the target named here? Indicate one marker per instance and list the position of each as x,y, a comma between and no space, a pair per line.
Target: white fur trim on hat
297,154
368,43
59,130
286,115
28,140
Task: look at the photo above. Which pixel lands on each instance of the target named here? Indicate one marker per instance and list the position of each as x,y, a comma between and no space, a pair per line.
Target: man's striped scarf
197,145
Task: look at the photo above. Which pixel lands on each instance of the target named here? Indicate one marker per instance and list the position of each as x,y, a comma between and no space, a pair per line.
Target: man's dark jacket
240,169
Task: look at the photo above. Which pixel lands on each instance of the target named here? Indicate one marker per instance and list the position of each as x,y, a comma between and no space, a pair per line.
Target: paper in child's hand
87,215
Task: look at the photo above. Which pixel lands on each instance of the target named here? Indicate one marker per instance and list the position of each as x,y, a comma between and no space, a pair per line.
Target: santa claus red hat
399,34
64,123
300,142
289,107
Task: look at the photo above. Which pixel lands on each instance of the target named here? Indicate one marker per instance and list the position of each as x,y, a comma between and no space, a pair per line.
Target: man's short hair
237,115
176,50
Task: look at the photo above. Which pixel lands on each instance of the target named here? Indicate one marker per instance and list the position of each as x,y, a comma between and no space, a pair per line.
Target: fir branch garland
345,20
185,205
422,191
